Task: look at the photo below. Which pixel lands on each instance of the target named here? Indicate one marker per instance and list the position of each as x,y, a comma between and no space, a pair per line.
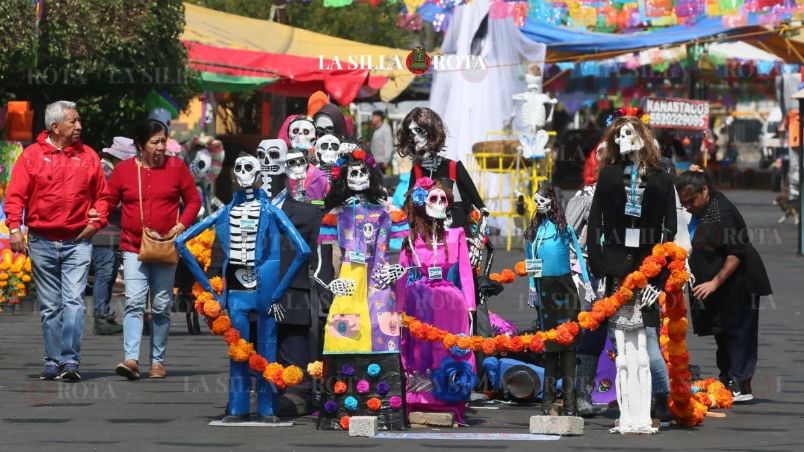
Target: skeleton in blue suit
249,229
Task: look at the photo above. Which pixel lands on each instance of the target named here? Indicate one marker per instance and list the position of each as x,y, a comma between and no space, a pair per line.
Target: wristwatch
14,231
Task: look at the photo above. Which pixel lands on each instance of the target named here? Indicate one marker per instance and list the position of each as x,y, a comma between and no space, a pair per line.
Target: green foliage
106,55
358,22
17,38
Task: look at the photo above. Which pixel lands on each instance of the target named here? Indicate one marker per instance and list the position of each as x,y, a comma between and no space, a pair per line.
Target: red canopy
284,74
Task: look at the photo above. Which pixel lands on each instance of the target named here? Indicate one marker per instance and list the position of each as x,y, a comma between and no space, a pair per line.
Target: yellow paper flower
316,369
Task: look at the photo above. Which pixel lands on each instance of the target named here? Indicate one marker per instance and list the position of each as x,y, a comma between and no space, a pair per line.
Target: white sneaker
739,397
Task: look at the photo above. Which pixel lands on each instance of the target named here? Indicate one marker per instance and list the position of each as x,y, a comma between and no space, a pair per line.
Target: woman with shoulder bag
150,188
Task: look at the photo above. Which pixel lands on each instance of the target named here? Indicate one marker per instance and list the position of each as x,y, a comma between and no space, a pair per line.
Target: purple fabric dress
431,369
316,184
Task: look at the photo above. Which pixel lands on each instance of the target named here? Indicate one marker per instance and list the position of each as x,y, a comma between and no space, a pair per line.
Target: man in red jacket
55,182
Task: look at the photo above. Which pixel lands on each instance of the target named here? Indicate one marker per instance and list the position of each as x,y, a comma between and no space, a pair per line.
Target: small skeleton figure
252,281
533,114
205,164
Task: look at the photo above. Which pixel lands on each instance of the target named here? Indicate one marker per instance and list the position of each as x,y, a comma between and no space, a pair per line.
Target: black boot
661,410
586,371
550,377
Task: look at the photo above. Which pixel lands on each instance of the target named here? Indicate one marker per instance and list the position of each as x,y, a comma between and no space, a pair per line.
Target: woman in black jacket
729,279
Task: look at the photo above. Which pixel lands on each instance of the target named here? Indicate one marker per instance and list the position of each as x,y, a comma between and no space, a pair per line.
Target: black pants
737,349
559,365
293,349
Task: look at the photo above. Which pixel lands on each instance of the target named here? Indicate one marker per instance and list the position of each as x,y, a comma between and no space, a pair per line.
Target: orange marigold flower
435,335
624,295
508,276
475,215
677,326
552,335
564,337
197,289
212,309
450,340
398,216
292,375
503,342
496,277
232,336
240,351
517,345
257,363
489,347
339,388
677,266
373,404
272,371
536,344
316,369
658,250
221,325
519,268
464,343
477,343
217,284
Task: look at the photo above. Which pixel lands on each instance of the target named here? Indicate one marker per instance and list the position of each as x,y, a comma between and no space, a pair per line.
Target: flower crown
357,154
419,194
628,111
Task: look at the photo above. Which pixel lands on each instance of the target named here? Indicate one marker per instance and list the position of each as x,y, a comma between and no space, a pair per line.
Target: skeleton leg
621,382
644,422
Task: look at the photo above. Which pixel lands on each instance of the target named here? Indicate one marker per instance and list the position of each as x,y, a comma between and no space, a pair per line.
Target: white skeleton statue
633,380
244,221
200,167
533,114
302,134
297,170
272,155
327,152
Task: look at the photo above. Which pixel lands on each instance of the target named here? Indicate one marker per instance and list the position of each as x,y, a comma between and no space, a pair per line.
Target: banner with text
674,113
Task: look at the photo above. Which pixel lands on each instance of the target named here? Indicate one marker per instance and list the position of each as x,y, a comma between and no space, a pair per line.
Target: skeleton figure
628,140
346,148
302,133
324,125
543,203
252,283
419,136
436,204
327,153
357,178
533,114
200,164
272,155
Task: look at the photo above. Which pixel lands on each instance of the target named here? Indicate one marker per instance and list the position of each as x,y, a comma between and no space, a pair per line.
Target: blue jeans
658,368
60,270
105,262
142,278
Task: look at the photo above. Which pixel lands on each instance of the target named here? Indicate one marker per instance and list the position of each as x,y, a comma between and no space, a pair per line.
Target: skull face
357,179
272,155
201,165
246,170
628,140
542,203
326,149
419,136
302,134
297,165
436,204
346,148
368,232
324,125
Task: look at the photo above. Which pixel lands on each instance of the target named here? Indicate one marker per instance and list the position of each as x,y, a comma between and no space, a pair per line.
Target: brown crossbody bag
154,248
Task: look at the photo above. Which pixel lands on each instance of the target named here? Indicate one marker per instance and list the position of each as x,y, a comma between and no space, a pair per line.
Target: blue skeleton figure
249,229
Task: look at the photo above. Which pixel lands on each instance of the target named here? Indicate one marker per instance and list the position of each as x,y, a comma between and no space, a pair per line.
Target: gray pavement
104,412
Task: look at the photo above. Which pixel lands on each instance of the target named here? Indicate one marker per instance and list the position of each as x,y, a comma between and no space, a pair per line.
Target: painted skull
368,232
201,165
327,149
346,148
357,178
542,203
246,170
296,165
302,133
628,140
324,125
419,136
273,155
436,204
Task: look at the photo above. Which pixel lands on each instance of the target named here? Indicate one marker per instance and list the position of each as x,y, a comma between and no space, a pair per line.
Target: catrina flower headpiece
422,187
628,111
357,154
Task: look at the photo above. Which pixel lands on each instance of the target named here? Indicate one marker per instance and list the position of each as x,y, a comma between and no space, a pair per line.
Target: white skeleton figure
201,165
273,160
628,140
324,125
302,134
419,136
244,221
543,204
436,204
357,178
533,114
327,150
296,165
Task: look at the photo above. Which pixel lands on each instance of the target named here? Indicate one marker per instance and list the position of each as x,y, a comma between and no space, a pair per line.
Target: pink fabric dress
438,379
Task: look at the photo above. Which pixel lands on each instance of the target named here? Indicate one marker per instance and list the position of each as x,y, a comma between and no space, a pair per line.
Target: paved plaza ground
106,413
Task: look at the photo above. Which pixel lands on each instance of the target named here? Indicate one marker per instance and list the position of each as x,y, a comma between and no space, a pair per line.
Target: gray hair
54,113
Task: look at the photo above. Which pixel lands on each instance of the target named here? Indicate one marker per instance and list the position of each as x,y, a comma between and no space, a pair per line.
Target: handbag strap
139,189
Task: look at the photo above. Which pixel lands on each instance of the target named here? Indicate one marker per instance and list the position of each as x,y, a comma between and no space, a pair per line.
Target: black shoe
107,326
661,410
50,372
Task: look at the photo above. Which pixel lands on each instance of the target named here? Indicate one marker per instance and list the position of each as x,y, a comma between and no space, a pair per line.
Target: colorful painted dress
438,379
366,321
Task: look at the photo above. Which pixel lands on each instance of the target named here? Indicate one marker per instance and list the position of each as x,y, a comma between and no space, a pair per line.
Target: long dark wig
556,214
340,190
420,224
431,123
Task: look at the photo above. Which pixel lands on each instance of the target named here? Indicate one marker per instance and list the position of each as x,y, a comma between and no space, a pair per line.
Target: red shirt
162,188
56,188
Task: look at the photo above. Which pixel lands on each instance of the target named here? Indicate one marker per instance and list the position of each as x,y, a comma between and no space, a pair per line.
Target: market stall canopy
210,34
566,44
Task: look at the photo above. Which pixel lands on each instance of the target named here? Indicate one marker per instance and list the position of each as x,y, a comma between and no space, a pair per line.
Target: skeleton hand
649,296
342,287
388,274
589,292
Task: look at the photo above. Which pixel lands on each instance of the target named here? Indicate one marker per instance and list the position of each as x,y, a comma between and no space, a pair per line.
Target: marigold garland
15,276
200,247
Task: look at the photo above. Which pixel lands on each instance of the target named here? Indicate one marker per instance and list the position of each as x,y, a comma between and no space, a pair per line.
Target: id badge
632,238
248,224
534,267
434,273
356,257
633,209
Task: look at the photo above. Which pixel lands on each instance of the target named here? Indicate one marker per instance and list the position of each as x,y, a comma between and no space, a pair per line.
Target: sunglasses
325,130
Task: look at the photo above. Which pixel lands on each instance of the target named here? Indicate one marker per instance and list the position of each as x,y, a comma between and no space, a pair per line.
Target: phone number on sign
678,120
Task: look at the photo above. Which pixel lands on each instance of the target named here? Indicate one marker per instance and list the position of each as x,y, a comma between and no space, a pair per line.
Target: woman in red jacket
166,181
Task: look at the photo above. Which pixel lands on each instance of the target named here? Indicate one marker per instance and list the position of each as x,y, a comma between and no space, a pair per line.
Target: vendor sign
673,113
